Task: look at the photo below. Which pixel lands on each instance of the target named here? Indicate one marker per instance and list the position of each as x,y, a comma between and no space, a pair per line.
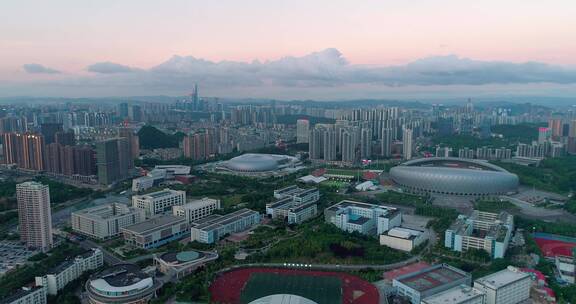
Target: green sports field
320,289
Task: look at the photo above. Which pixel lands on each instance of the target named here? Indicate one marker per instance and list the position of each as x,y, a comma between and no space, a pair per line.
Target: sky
287,49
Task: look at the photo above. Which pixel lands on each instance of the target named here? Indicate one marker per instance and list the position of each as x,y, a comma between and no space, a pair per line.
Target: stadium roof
283,299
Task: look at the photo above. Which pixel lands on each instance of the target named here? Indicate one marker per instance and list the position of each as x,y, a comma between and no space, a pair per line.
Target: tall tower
386,143
302,130
407,144
107,161
34,217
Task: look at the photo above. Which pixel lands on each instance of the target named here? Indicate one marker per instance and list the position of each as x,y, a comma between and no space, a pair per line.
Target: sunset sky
44,44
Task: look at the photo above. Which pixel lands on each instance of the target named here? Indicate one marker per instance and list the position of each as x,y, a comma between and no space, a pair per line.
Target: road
109,258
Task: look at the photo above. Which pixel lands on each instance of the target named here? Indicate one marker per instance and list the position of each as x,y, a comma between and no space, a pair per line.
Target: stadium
270,285
254,164
122,283
454,176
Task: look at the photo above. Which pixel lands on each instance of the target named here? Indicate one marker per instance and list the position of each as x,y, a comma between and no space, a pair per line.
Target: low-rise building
180,264
482,230
124,283
508,286
368,219
463,294
294,205
427,282
27,295
159,202
155,232
214,227
299,214
105,221
566,268
404,239
196,209
58,277
298,195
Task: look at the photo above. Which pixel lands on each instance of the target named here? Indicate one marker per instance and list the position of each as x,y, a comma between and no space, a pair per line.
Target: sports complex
454,176
253,285
553,245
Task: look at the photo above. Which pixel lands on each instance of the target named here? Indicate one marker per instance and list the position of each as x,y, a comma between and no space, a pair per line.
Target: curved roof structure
124,283
454,176
283,299
252,162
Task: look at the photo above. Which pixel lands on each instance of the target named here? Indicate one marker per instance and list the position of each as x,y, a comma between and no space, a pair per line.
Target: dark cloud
35,68
109,68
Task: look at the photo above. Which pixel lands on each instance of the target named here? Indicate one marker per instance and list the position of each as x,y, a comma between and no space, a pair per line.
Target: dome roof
252,162
454,176
283,299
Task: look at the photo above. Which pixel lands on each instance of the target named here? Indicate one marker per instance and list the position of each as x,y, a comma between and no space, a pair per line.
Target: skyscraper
386,142
316,144
556,125
125,160
366,143
302,130
133,140
407,143
544,134
64,138
107,161
351,145
34,217
329,142
26,150
49,130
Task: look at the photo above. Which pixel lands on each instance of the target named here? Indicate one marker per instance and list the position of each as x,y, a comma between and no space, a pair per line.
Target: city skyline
319,51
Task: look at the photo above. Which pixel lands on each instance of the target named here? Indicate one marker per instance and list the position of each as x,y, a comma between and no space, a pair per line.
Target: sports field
322,290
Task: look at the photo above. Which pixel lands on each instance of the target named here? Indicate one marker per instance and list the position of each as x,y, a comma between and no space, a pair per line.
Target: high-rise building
366,143
108,162
133,140
386,142
34,217
316,143
302,130
350,145
329,143
49,130
135,113
64,138
125,160
26,150
556,125
199,146
407,144
572,137
544,134
123,110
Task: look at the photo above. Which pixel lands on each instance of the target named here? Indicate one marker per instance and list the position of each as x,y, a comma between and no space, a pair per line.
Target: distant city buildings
34,215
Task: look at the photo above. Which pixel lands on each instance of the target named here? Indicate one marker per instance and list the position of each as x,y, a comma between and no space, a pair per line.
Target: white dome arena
454,176
252,162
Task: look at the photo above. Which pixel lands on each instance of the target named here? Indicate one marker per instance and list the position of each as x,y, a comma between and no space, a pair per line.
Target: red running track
227,287
552,248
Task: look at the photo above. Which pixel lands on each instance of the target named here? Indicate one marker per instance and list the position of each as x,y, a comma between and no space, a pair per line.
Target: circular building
180,264
453,176
259,164
123,283
283,298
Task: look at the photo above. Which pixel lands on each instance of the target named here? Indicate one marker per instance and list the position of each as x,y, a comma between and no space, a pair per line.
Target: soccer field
320,289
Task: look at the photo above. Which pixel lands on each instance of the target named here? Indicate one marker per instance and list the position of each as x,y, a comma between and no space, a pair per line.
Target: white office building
368,219
105,221
508,286
196,209
58,277
159,202
214,227
404,239
27,295
155,232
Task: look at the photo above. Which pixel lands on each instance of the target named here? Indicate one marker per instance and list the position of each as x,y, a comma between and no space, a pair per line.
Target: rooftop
154,224
502,277
215,220
121,275
432,277
455,295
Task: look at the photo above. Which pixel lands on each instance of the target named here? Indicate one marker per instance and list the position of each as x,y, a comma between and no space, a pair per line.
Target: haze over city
323,50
